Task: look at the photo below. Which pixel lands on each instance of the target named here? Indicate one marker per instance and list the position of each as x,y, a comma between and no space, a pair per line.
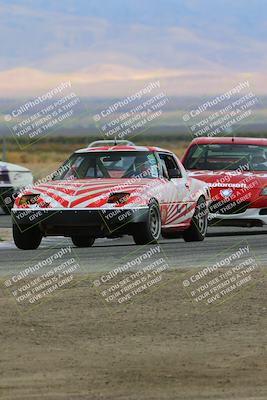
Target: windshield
109,165
227,157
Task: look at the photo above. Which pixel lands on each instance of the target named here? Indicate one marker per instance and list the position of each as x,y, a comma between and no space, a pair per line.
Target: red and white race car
112,191
236,172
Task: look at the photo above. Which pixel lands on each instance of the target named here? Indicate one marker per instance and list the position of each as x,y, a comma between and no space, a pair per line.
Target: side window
170,166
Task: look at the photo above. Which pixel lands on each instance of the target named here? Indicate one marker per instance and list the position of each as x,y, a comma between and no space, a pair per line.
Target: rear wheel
149,231
83,241
27,238
199,224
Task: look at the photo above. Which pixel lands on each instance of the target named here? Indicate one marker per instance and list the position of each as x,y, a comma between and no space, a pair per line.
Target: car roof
12,167
230,140
122,148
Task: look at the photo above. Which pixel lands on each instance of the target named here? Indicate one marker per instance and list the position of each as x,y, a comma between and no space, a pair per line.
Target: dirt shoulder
5,234
160,347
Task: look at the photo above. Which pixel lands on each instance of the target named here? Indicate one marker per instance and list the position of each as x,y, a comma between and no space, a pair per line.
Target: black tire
27,238
6,209
149,231
83,241
199,224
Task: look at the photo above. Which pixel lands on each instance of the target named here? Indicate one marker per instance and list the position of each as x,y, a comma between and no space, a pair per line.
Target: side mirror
174,173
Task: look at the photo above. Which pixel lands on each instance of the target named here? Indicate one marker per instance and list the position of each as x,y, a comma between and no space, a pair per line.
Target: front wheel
149,231
27,239
6,209
199,224
83,241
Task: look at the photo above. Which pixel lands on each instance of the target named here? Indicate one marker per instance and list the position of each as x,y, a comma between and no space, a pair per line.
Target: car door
178,204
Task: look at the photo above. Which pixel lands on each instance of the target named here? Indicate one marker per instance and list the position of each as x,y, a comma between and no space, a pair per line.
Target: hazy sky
111,47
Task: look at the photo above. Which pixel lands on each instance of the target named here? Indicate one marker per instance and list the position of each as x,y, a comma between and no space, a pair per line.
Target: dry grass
42,158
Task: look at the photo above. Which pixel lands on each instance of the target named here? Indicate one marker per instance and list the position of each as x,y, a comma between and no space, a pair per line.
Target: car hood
92,193
224,177
229,185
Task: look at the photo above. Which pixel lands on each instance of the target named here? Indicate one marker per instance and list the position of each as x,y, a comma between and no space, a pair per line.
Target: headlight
119,198
264,192
28,199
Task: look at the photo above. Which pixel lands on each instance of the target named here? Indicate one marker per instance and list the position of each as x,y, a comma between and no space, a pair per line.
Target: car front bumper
250,217
99,222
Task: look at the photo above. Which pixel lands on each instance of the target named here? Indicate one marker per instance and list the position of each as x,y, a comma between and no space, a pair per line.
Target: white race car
114,191
13,178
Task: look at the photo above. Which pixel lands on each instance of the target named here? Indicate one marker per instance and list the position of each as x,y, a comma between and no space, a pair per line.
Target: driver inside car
141,167
259,161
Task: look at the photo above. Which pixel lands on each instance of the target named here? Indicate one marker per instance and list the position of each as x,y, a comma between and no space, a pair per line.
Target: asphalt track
106,254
